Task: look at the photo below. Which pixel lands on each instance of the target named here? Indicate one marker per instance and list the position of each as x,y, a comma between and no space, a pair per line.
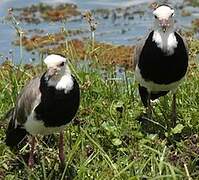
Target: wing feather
27,100
138,50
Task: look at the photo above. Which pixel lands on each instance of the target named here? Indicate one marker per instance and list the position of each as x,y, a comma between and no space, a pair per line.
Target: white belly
35,127
154,87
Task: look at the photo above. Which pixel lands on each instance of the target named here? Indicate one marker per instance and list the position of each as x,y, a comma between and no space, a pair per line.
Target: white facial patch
165,41
163,12
53,60
66,83
63,79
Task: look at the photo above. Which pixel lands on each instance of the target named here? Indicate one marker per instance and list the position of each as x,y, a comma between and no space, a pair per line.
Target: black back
57,108
159,67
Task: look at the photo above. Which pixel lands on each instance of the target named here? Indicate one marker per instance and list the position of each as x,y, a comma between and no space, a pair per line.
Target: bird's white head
58,73
57,66
164,20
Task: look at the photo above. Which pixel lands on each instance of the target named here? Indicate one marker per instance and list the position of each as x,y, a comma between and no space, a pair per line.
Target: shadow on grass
153,126
150,126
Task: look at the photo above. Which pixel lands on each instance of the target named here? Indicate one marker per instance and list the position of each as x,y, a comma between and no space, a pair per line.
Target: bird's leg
31,155
173,115
61,149
149,108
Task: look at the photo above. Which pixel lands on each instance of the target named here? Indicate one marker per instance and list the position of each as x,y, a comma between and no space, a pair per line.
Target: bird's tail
15,134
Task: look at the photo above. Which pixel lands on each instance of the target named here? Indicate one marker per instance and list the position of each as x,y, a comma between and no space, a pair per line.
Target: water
122,30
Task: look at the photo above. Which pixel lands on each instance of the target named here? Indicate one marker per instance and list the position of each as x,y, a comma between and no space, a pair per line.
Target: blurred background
44,26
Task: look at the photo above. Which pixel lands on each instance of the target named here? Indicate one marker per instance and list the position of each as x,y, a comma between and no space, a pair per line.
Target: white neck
65,82
165,41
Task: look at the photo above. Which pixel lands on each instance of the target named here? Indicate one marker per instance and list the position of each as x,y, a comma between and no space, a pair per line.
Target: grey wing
185,43
26,101
138,50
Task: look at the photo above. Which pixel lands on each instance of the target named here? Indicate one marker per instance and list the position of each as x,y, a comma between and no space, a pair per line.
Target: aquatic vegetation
185,13
39,41
193,2
106,54
44,12
195,24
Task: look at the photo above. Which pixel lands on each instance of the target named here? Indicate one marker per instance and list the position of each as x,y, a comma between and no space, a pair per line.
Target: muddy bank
105,54
195,25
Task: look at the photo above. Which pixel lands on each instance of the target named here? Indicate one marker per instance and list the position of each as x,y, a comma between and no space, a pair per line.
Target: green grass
106,140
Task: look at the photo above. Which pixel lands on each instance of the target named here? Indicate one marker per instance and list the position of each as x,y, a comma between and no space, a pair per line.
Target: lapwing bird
45,106
161,60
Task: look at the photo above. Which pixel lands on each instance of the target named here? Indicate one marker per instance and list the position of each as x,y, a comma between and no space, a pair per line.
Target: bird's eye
172,14
155,16
62,64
